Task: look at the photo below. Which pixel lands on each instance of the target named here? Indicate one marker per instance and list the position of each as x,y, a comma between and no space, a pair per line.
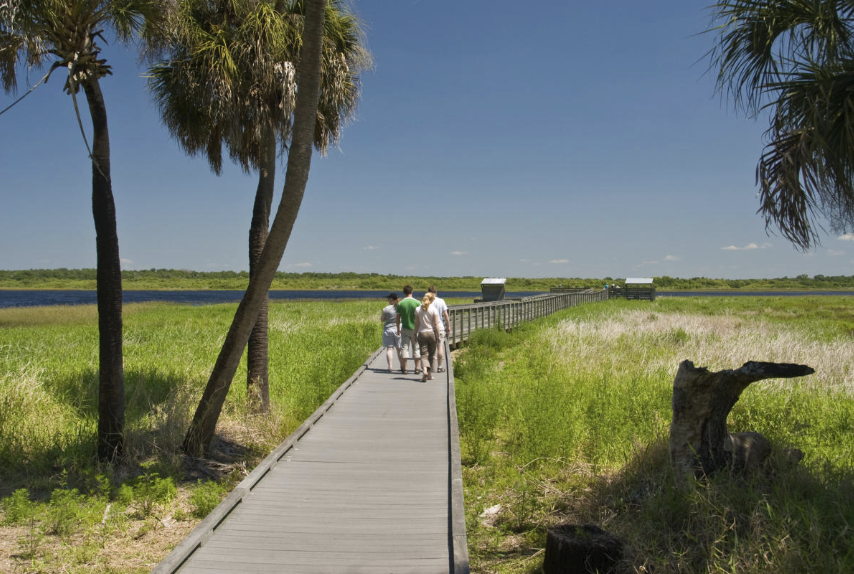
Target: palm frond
807,170
239,60
759,39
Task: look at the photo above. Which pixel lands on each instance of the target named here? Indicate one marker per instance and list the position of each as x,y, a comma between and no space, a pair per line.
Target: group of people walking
416,330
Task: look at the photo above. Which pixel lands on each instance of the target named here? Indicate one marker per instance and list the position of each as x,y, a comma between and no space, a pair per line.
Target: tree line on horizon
238,280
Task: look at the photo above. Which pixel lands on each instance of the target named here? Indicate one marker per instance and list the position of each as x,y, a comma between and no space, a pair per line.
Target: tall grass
49,377
567,420
61,510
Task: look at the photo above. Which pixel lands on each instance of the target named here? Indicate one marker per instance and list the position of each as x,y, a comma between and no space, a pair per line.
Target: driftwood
581,548
702,400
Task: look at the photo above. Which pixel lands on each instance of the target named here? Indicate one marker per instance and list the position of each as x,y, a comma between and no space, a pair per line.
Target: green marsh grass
566,420
48,418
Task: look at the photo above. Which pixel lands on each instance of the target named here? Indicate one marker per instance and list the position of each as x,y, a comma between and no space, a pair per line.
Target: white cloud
748,247
370,248
834,252
671,258
123,260
305,264
846,237
459,252
559,261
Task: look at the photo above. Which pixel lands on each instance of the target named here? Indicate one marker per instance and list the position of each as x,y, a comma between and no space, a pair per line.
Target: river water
36,298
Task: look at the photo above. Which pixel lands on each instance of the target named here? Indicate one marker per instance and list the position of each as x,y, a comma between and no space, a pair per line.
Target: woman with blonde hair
427,332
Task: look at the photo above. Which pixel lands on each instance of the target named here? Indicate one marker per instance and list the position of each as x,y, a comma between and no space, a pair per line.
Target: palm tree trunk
111,392
257,379
201,431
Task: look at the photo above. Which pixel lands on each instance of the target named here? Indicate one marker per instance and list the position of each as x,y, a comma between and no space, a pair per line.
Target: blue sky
559,139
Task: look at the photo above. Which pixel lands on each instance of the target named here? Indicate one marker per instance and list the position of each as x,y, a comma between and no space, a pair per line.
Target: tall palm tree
69,33
230,80
794,58
201,431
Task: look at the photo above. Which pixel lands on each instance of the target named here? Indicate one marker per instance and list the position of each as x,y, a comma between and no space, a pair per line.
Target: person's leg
431,353
413,351
388,356
425,349
406,350
440,353
398,350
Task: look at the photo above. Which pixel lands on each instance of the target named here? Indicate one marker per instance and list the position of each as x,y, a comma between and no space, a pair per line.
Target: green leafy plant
151,491
64,511
18,508
32,540
206,496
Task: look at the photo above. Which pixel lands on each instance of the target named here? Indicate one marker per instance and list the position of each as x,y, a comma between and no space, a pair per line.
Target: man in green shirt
406,327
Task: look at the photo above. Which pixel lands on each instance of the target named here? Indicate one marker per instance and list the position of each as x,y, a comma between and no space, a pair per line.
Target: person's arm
417,323
436,325
398,323
447,322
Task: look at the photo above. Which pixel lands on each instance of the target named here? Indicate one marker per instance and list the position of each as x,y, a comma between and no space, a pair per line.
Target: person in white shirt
444,327
427,331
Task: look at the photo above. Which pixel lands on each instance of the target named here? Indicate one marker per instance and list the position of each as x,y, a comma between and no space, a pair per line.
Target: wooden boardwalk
369,486
371,482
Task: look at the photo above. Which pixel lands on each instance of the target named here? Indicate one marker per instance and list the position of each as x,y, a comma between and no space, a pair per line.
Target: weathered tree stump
581,548
702,400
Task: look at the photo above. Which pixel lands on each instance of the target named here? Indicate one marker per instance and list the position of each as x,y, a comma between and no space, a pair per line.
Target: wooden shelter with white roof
639,288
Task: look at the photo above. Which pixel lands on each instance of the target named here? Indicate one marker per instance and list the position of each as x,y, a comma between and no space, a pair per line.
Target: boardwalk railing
465,319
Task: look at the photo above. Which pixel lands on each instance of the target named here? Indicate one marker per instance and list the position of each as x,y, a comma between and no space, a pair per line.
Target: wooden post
702,400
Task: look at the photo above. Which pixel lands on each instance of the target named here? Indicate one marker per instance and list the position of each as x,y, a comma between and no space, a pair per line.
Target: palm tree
69,33
201,431
794,58
230,80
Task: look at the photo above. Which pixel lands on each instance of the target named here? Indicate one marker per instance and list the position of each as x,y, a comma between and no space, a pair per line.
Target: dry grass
60,314
653,342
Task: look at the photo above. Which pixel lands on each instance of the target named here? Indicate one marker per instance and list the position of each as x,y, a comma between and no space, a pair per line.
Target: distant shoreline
186,280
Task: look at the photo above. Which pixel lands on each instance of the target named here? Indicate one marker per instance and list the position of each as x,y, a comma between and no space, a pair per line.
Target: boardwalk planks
365,488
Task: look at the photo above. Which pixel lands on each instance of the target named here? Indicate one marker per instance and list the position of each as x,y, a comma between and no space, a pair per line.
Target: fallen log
699,441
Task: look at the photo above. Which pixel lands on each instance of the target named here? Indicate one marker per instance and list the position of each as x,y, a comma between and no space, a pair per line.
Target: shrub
18,508
206,496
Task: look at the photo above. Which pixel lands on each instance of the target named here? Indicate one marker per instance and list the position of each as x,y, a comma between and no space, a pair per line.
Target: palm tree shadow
64,447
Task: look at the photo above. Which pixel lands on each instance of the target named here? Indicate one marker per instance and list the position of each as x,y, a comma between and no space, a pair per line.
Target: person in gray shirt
391,329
